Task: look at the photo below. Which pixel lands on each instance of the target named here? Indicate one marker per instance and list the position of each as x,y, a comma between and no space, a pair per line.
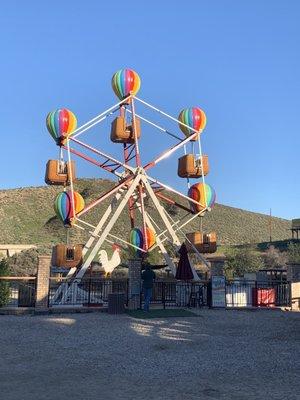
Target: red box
263,297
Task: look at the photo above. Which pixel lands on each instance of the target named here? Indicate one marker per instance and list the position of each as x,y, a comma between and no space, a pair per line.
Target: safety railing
244,293
179,294
87,292
17,291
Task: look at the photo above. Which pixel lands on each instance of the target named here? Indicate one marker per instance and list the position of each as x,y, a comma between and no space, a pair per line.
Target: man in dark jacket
148,277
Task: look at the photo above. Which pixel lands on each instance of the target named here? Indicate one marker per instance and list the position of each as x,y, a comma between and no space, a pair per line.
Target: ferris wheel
134,183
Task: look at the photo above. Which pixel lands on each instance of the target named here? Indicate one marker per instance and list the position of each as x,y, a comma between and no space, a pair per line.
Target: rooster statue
109,264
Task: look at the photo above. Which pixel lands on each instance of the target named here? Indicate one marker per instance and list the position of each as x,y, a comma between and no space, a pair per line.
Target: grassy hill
27,217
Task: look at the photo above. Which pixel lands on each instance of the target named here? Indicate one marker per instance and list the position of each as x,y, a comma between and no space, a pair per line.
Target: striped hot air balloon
204,194
125,82
63,206
61,124
193,117
150,235
137,239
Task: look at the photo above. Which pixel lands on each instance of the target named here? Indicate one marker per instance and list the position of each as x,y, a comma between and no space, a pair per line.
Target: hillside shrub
293,253
240,261
4,286
23,263
274,258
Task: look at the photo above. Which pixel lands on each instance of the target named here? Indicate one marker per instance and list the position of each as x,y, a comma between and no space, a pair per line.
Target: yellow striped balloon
193,117
64,209
125,82
61,124
202,193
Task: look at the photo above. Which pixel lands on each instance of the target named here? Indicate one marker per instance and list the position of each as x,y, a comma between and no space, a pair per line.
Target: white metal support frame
134,183
108,228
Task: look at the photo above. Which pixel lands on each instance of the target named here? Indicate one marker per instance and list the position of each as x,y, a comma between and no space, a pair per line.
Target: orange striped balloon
61,124
202,193
193,117
64,209
125,82
150,235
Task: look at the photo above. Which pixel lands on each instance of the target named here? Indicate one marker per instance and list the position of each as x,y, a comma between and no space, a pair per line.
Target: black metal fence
17,291
21,292
167,294
242,293
179,294
87,292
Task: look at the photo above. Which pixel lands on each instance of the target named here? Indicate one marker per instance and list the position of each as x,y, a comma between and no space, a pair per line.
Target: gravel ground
217,355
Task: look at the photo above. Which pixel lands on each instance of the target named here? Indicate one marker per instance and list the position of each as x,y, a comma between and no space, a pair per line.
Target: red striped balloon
63,206
193,117
125,82
61,123
202,193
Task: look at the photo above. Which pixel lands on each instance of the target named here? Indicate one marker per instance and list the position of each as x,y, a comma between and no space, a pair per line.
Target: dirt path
228,355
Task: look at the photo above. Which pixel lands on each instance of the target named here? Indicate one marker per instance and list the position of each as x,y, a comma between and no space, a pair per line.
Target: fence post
134,284
216,265
218,282
293,276
42,283
89,296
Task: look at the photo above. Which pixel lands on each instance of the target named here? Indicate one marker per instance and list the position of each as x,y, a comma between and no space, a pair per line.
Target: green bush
240,261
293,253
4,286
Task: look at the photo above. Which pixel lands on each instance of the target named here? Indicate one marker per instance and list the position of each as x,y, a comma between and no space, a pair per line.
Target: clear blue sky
238,60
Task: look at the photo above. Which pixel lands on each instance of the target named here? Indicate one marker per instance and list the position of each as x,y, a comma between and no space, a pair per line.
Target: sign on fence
218,291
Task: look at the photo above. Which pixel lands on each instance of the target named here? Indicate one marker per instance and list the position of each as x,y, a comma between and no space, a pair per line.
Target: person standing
148,277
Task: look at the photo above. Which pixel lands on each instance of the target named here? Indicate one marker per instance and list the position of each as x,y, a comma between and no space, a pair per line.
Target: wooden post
293,276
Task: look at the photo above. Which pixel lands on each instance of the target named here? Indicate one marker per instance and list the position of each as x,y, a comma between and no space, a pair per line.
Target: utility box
116,303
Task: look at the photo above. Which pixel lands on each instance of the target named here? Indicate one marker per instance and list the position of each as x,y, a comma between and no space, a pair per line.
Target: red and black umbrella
184,270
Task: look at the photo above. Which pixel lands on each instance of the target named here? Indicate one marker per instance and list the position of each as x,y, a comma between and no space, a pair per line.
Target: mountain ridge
27,216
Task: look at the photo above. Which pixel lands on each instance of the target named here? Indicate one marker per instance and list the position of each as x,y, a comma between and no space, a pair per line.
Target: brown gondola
123,133
190,167
203,242
67,256
60,172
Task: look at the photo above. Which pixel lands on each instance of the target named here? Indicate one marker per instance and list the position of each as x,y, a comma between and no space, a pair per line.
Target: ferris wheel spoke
170,151
157,126
171,201
169,188
102,154
92,160
166,115
108,227
96,120
106,195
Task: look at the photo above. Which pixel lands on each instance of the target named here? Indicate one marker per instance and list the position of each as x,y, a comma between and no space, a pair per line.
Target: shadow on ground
219,355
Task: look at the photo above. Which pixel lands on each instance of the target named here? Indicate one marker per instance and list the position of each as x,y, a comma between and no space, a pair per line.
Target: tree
274,258
171,209
4,286
242,260
293,253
